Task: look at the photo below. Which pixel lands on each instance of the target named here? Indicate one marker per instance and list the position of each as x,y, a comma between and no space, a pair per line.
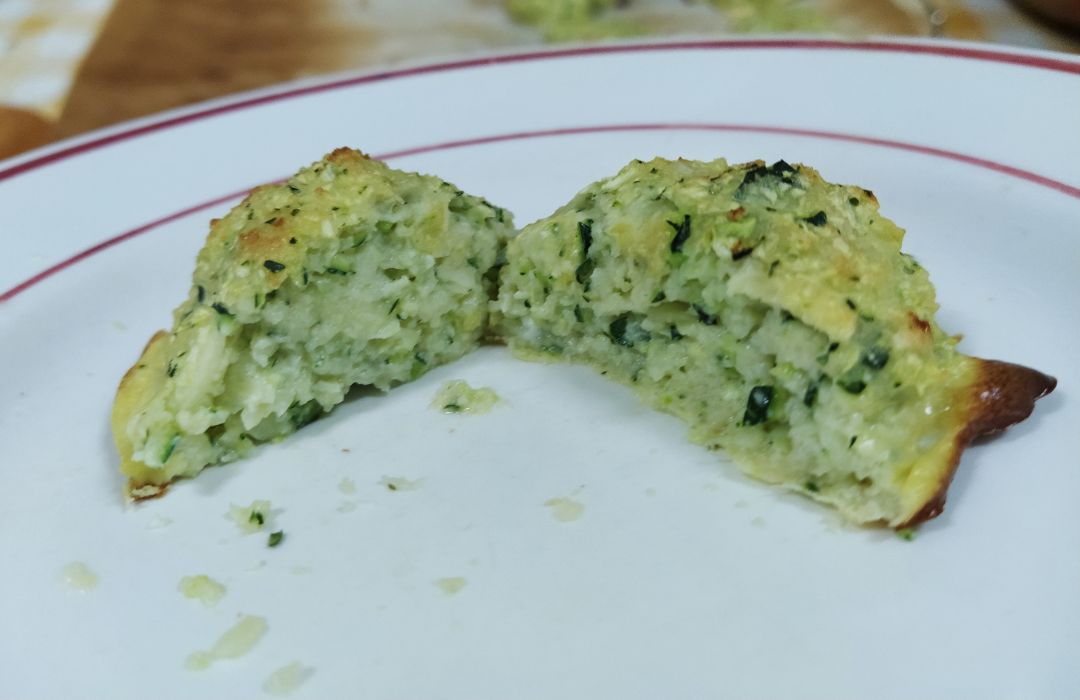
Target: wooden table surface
157,54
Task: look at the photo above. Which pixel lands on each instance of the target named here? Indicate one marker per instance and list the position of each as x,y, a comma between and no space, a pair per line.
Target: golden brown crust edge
137,384
1003,395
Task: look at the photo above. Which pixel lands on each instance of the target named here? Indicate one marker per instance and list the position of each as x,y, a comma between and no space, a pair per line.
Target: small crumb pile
77,576
286,679
202,588
564,509
400,483
232,644
451,585
251,518
456,396
254,518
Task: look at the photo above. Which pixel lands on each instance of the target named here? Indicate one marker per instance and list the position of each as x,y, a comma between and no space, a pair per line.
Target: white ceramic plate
680,578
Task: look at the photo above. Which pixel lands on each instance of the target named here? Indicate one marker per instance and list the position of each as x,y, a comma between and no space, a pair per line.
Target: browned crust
145,492
1003,395
124,404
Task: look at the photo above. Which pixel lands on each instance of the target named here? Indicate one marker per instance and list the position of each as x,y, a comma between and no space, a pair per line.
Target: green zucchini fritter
348,273
773,312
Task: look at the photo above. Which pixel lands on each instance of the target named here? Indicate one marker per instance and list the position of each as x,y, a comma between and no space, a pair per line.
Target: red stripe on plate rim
1060,65
983,163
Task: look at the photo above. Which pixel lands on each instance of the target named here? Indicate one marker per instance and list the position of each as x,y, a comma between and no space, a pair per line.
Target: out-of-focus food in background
1064,12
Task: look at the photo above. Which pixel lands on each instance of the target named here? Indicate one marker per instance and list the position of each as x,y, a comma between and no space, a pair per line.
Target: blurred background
69,66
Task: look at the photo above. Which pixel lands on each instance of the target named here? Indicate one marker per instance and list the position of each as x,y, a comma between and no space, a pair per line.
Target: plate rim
99,138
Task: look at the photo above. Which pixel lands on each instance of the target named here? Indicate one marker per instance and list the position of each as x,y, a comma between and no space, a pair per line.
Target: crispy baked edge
128,393
1002,395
